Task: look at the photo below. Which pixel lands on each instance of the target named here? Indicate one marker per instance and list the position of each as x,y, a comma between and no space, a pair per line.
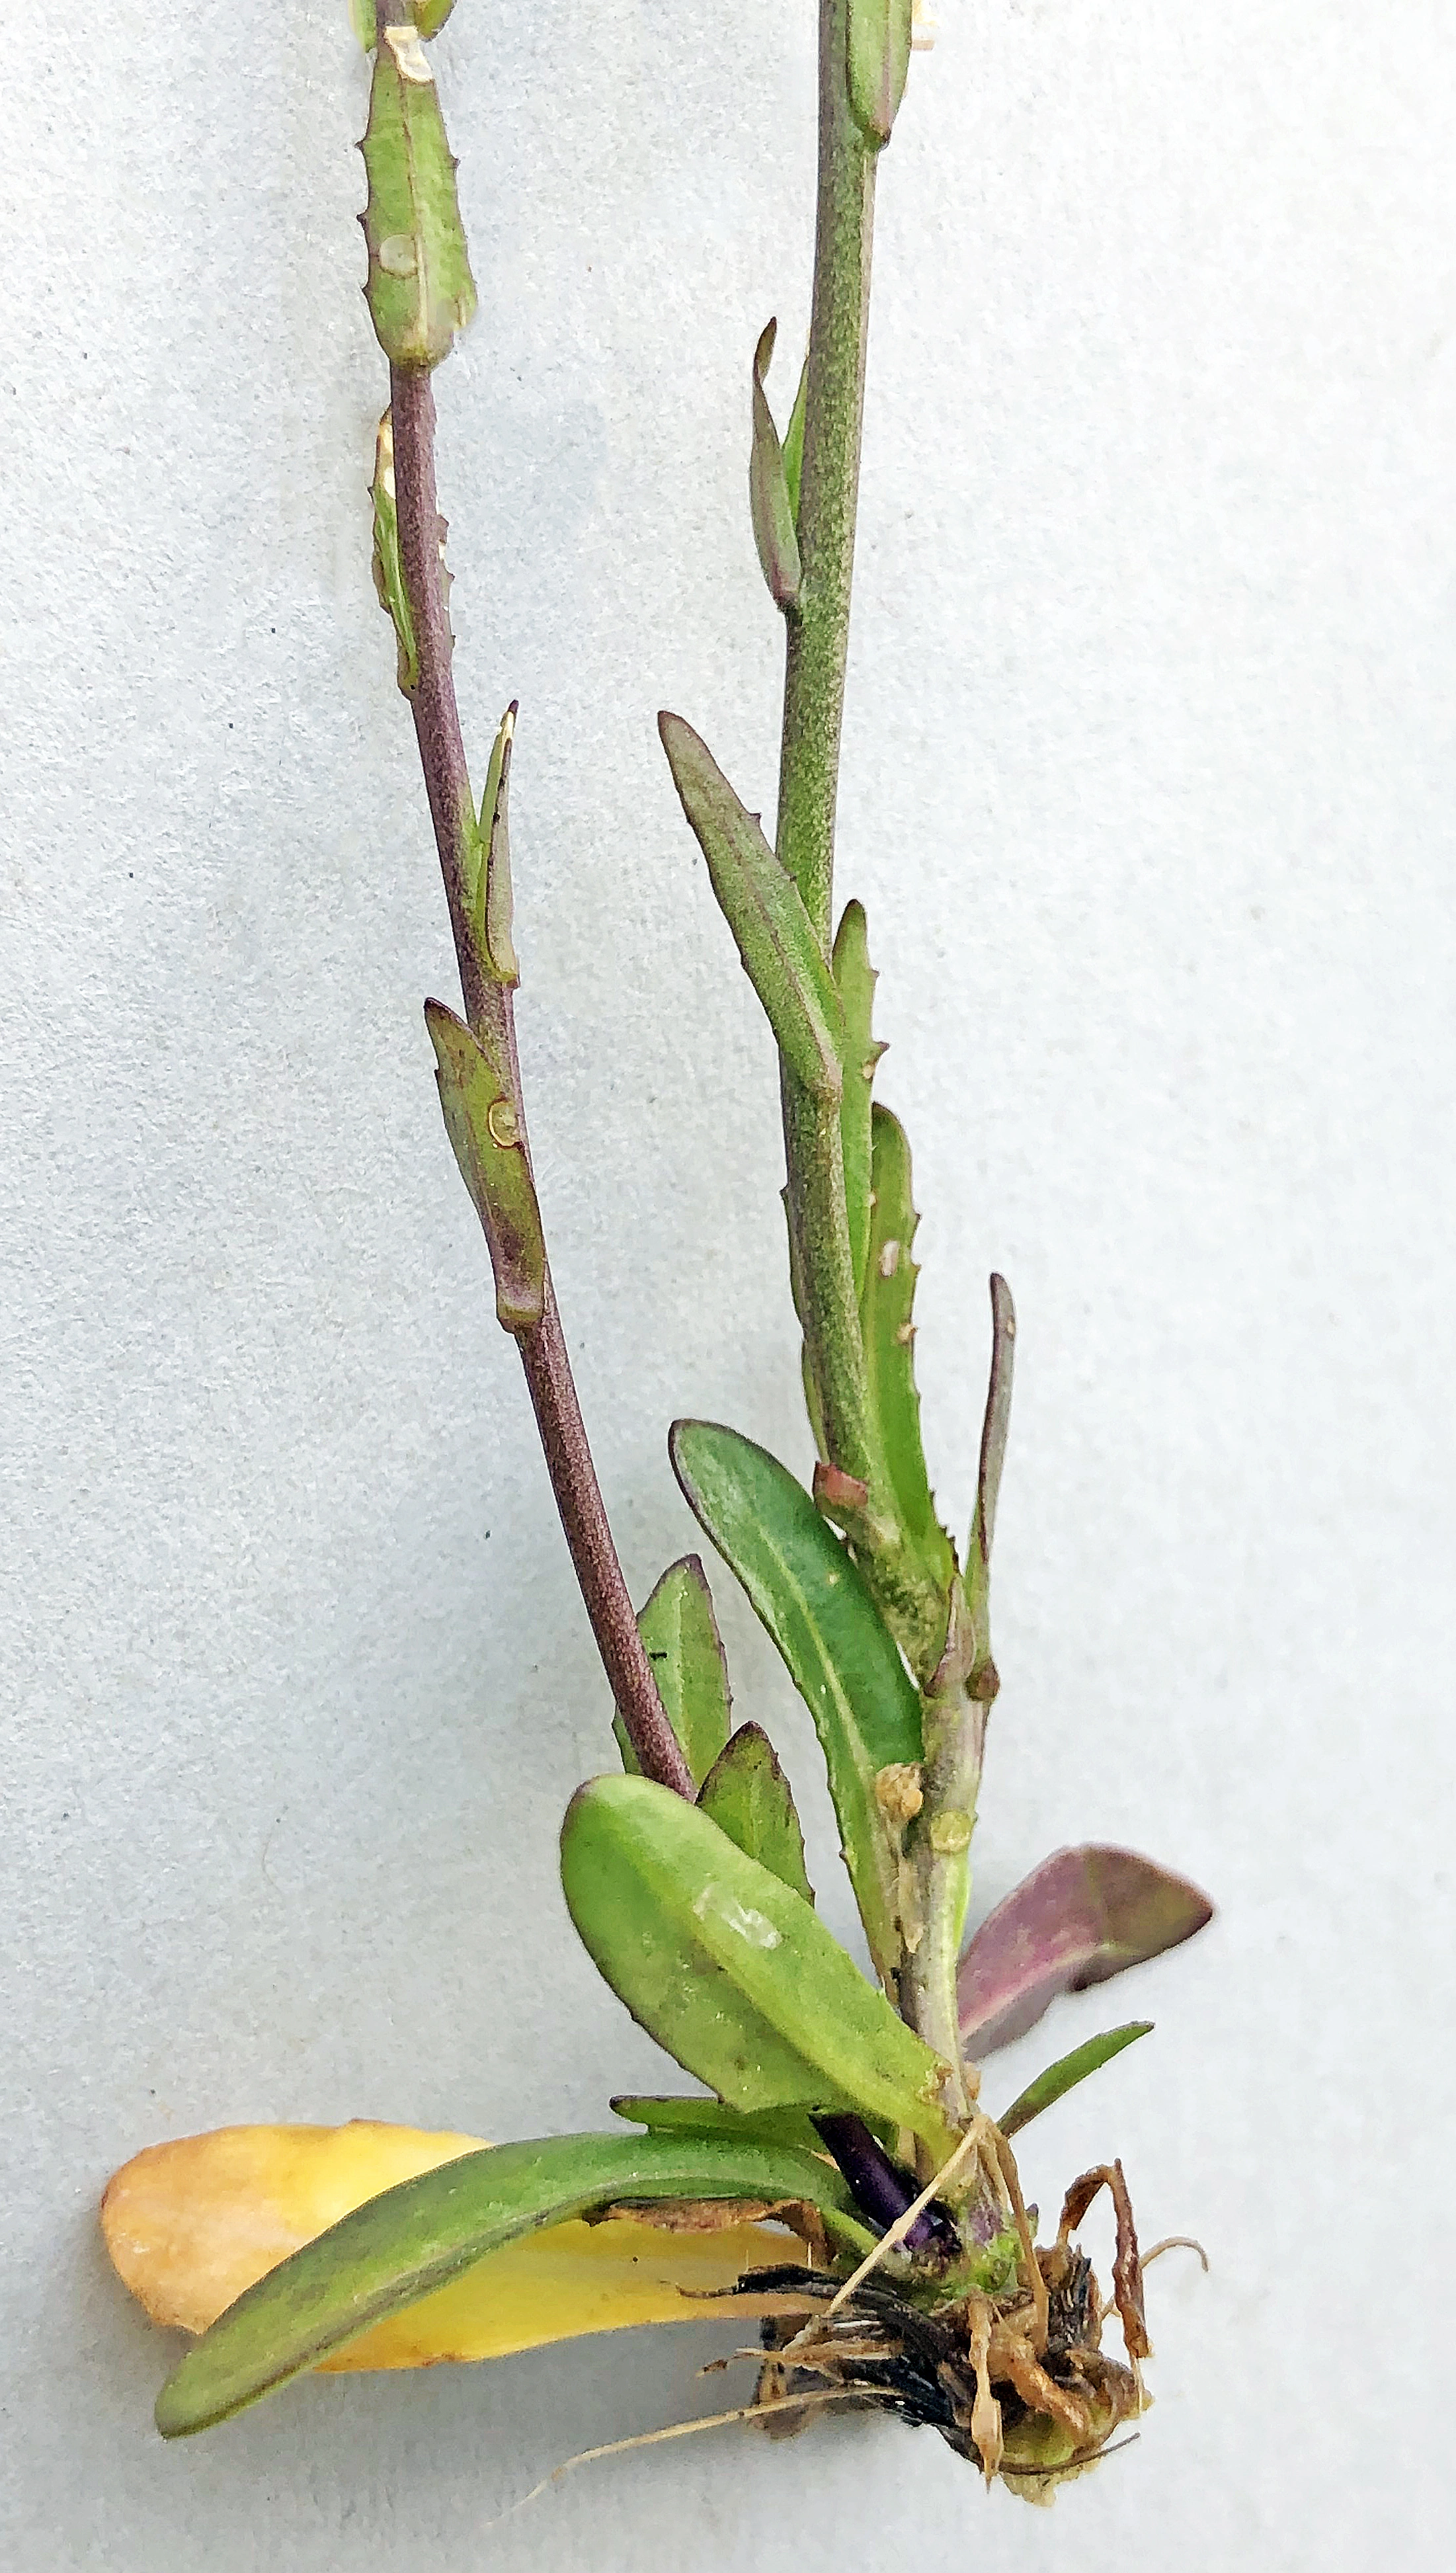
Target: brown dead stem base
1019,2385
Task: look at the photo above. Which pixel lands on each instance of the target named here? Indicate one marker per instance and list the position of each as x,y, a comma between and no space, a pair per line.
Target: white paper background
1148,783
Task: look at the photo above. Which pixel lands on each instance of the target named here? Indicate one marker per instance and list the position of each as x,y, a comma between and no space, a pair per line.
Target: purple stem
881,2189
488,1008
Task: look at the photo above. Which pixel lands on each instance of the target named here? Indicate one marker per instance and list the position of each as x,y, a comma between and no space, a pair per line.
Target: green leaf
1065,2075
762,906
677,2117
401,2246
672,2117
489,901
748,1796
389,567
886,1306
480,1121
841,1656
855,978
680,1634
429,16
793,442
730,1969
769,503
420,290
879,62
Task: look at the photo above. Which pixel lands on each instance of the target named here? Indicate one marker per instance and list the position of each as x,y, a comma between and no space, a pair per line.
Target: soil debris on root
1018,2384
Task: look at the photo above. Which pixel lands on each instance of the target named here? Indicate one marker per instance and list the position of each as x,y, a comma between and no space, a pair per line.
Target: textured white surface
1148,787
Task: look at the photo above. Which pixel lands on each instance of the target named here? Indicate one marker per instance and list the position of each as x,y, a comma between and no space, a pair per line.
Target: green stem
955,1710
818,629
817,649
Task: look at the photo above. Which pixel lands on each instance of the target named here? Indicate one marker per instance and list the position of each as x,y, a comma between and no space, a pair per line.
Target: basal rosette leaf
730,1969
429,2232
668,2116
192,2224
1082,1916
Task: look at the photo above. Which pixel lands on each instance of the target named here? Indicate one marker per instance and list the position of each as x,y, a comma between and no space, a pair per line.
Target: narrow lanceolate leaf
420,290
730,1969
855,979
768,490
1065,2075
748,1796
427,2233
794,441
879,62
840,1653
192,2224
886,1310
388,568
680,1633
480,1121
676,2117
1082,1916
488,900
762,906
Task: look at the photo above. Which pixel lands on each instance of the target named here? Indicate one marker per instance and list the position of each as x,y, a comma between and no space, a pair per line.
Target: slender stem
952,1727
817,648
818,629
488,1008
955,1710
816,652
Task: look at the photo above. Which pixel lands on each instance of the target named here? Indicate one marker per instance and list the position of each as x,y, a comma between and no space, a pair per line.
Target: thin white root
809,2402
1176,2242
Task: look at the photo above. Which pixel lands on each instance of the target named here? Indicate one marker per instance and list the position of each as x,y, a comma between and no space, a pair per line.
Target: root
1126,2267
1019,2385
1176,2243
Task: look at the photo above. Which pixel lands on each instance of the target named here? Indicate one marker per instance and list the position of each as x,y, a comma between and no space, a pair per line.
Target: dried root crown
1016,2381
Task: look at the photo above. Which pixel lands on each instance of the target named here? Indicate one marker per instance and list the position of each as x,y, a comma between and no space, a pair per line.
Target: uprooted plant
842,2185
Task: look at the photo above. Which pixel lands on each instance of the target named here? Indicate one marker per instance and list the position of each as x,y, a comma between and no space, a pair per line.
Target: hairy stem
818,629
816,650
817,647
953,1719
955,1710
488,1008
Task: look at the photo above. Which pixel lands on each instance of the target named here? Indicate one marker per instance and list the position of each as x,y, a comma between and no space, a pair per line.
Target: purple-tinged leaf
1082,1916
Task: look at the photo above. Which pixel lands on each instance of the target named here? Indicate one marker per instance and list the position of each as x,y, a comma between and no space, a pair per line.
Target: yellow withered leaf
190,2224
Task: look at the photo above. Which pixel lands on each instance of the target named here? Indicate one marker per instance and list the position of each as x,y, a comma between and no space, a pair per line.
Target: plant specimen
837,2182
